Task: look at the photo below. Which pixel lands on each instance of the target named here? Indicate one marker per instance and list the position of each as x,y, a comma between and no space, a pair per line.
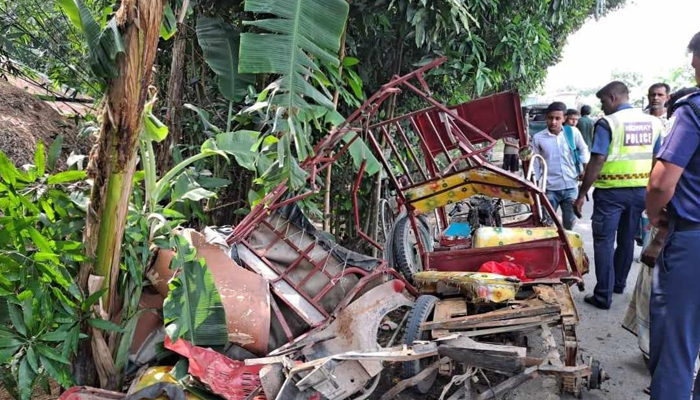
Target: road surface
601,336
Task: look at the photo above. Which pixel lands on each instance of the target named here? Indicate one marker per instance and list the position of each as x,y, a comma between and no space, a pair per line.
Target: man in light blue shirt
566,154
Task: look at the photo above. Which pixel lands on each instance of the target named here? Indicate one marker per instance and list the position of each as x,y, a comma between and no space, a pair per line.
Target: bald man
621,157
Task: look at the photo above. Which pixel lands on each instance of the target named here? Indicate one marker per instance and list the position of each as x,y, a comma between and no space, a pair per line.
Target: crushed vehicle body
303,313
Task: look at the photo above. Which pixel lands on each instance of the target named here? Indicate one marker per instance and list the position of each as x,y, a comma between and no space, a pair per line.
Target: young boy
566,154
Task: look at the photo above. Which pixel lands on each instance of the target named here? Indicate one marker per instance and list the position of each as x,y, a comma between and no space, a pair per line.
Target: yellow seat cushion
478,287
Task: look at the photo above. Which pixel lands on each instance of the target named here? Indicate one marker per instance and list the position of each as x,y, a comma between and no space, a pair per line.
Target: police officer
673,200
619,168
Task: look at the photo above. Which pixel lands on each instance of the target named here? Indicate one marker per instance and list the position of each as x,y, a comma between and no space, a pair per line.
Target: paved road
601,336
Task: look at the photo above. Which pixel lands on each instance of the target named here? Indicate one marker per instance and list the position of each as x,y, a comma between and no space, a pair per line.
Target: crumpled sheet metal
354,329
479,287
230,379
245,295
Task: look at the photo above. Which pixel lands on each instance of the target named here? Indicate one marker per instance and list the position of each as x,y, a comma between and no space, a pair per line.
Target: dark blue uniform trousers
616,213
674,309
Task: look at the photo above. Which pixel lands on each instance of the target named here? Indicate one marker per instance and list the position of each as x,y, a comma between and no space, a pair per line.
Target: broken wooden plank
578,371
503,359
407,383
446,310
466,342
566,302
512,328
265,360
472,320
511,322
508,385
395,354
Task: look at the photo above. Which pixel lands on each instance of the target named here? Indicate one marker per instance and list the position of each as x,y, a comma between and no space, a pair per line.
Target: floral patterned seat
479,181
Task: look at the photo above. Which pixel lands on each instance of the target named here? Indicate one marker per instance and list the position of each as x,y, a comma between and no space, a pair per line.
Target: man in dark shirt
673,201
658,96
621,158
572,117
585,125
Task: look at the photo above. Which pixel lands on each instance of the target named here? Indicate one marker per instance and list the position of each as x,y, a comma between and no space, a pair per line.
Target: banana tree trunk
336,96
113,159
176,91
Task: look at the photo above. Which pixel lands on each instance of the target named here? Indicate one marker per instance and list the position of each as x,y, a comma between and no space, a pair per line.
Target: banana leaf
104,45
302,31
219,41
193,310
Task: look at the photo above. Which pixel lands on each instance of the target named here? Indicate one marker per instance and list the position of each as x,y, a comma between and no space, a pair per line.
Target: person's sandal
647,390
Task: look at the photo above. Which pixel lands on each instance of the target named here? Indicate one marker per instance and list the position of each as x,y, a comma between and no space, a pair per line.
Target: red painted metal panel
541,259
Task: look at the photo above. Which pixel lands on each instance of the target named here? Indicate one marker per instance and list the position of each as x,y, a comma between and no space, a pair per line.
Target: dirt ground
38,393
26,120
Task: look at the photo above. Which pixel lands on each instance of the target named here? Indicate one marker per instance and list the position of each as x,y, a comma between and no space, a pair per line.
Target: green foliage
302,29
41,221
38,36
193,308
219,42
679,78
168,27
104,45
491,45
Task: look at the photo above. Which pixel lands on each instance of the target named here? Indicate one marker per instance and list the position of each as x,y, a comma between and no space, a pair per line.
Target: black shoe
618,291
590,299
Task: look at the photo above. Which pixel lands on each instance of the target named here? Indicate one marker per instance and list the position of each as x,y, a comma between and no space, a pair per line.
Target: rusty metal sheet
149,321
244,294
355,328
160,273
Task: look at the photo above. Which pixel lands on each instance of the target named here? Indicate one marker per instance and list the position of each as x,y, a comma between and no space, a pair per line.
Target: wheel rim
387,218
415,263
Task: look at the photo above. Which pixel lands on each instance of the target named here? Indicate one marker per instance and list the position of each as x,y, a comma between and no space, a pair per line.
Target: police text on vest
638,133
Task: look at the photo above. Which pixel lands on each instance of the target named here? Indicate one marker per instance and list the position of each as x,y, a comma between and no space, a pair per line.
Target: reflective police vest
631,149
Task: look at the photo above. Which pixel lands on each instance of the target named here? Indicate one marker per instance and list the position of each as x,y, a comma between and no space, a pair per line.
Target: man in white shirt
566,154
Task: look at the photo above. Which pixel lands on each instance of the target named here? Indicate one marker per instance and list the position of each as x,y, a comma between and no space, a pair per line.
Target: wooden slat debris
499,358
410,382
481,320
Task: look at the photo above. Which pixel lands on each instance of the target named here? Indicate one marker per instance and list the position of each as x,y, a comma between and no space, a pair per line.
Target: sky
646,36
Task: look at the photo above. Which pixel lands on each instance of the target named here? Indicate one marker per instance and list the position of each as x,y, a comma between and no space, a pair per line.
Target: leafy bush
41,307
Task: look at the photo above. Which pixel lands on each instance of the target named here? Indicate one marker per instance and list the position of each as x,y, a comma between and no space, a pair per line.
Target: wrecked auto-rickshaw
303,313
484,220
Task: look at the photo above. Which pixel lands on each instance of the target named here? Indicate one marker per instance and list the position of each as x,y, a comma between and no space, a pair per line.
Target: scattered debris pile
303,314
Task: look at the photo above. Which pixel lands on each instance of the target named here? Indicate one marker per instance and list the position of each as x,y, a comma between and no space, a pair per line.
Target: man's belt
686,225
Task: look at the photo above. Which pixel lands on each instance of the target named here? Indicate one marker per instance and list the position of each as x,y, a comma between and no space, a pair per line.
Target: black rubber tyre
596,378
422,312
406,257
387,218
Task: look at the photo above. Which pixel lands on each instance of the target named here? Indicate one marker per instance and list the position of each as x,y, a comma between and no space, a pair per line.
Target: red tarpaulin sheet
505,268
230,379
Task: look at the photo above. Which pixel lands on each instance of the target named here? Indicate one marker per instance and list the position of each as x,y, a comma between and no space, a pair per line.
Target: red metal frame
452,137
